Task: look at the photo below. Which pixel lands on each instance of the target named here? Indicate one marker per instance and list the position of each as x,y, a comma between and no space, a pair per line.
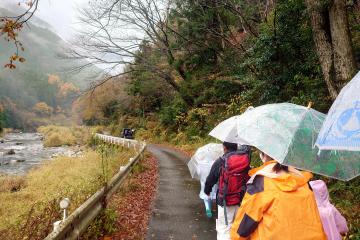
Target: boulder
10,152
14,161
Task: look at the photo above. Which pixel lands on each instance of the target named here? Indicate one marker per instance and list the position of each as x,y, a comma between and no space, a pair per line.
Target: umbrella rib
297,129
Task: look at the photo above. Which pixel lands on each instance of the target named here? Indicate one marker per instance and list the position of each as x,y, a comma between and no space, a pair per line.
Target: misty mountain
28,83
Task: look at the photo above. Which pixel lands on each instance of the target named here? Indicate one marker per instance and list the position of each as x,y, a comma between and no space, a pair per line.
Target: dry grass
28,212
11,184
5,131
55,136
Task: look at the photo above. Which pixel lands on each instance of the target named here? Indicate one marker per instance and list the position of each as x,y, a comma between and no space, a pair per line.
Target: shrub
104,224
55,136
12,183
59,139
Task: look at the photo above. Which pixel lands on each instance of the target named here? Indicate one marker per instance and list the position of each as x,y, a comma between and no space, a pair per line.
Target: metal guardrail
120,141
79,220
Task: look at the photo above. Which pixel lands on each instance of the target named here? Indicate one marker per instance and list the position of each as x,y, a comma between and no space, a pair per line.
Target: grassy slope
31,209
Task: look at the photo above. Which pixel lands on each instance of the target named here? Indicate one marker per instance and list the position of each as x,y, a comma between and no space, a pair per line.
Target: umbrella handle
318,155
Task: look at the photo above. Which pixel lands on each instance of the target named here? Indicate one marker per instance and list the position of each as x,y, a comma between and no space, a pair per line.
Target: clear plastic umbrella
341,129
201,162
287,133
227,131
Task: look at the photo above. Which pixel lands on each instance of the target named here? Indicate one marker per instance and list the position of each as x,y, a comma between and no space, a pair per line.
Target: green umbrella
287,133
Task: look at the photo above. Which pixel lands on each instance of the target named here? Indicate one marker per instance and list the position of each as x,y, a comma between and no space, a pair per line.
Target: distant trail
178,212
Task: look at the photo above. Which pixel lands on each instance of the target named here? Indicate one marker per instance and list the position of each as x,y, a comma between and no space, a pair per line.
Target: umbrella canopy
227,131
341,129
204,157
200,165
287,133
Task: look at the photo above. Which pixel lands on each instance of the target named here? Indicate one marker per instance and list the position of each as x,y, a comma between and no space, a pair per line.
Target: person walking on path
333,222
231,173
199,168
278,204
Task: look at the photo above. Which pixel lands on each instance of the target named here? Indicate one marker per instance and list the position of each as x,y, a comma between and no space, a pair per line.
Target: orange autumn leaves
64,88
14,58
42,108
10,28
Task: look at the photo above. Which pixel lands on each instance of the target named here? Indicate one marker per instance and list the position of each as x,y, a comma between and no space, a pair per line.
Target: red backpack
233,178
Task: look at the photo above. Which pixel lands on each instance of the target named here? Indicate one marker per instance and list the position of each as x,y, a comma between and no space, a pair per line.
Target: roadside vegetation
128,210
30,204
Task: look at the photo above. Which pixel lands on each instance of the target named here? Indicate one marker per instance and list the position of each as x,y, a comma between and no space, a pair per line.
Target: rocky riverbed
21,151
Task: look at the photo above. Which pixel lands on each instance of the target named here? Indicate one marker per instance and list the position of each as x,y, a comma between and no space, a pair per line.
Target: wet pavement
178,212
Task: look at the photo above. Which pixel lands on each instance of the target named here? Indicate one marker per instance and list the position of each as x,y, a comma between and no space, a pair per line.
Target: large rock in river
10,152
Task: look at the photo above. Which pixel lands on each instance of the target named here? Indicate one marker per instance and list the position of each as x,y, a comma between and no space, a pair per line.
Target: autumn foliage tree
66,92
103,104
42,109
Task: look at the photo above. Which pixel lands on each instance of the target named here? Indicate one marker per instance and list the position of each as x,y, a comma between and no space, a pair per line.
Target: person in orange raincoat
278,204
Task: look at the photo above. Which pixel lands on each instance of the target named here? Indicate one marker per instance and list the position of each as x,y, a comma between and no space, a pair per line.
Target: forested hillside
44,77
202,61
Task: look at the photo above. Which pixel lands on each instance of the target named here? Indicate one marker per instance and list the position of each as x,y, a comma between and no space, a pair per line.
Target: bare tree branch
116,30
10,26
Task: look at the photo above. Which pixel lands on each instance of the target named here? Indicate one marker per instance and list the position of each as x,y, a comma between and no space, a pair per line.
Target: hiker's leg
221,227
231,213
223,230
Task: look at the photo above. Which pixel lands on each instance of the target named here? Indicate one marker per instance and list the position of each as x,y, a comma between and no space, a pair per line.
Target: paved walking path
178,212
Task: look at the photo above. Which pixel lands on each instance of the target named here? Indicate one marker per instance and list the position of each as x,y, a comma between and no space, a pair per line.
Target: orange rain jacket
278,206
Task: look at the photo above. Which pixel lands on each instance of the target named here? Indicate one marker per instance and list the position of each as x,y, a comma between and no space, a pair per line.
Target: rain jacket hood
321,192
289,182
286,182
278,206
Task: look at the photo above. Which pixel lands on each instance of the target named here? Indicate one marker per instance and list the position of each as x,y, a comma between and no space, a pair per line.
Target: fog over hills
28,83
11,9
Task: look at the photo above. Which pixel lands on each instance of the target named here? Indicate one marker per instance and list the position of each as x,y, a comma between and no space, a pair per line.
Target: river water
28,150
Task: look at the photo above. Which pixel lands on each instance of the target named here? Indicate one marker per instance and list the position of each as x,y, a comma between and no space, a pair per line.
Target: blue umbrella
341,128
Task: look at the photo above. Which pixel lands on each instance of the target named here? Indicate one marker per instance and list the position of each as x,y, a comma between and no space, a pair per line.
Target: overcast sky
61,14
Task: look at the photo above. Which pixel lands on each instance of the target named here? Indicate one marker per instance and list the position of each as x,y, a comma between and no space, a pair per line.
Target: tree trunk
333,43
344,60
172,82
322,39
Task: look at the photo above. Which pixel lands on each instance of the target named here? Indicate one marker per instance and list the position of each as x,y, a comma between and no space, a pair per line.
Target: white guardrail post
71,227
